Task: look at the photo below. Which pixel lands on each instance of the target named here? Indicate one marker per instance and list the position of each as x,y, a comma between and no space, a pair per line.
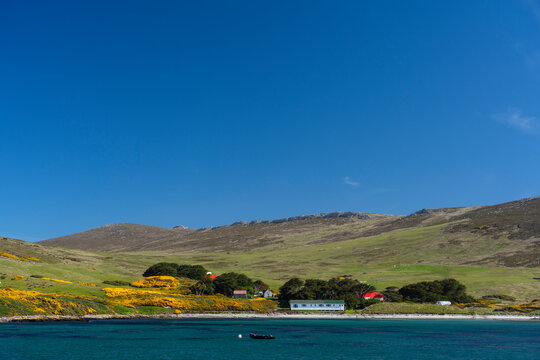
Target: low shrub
499,297
117,282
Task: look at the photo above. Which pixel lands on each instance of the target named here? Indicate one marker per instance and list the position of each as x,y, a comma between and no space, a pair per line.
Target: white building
320,305
443,302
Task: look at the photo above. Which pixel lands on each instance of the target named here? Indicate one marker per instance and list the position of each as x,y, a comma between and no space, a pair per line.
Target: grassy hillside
239,236
72,283
494,249
393,259
506,234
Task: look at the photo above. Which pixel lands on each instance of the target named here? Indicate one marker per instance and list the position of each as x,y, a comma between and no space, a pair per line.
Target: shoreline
49,318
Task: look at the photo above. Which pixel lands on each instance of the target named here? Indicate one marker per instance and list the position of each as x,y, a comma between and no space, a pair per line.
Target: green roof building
319,305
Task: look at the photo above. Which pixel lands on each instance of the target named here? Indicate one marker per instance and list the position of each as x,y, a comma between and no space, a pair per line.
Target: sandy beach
43,318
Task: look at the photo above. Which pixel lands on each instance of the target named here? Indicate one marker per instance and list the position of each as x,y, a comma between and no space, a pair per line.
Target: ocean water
295,339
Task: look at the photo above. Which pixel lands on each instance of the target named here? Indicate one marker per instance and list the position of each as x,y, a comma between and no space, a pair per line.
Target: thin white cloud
348,181
515,118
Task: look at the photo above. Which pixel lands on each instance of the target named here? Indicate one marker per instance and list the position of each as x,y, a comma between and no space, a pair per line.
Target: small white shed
444,302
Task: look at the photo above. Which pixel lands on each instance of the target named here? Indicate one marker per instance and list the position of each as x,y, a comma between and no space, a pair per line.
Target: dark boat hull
262,337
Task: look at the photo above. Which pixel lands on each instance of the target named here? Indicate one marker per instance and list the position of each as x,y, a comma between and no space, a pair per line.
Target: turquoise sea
295,339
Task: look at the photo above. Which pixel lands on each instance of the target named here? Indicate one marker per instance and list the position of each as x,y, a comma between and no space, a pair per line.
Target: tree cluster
392,294
225,284
195,272
342,288
433,291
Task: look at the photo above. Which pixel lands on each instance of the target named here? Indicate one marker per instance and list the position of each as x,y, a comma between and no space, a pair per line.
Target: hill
509,232
118,237
123,237
492,249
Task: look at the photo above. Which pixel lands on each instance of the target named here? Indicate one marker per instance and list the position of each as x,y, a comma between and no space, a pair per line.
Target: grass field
489,254
366,259
491,249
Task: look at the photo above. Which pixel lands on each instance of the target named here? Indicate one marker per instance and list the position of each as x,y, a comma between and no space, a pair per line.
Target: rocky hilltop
331,215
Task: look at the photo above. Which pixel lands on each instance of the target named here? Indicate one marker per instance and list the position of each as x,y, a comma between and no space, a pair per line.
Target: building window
295,305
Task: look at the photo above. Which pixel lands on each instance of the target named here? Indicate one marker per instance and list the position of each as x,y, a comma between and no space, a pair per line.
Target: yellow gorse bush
126,292
68,282
31,258
134,298
157,281
21,302
17,277
10,256
14,257
57,280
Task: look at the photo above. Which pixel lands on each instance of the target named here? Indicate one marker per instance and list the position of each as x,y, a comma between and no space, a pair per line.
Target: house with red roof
373,295
238,294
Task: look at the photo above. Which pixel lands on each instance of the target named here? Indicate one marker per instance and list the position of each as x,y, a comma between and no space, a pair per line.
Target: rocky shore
44,318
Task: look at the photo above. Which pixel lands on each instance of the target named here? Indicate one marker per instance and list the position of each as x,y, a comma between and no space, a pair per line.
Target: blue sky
206,113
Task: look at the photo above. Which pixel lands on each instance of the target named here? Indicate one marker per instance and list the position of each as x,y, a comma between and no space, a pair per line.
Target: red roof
240,292
373,295
211,276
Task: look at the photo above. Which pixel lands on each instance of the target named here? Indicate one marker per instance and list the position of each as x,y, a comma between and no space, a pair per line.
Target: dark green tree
314,289
392,294
289,291
432,291
226,283
338,288
205,286
195,272
455,291
352,301
161,269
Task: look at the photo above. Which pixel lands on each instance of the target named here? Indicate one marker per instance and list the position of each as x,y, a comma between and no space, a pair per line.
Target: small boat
259,336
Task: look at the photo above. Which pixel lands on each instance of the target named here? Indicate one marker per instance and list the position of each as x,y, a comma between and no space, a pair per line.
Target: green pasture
393,259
